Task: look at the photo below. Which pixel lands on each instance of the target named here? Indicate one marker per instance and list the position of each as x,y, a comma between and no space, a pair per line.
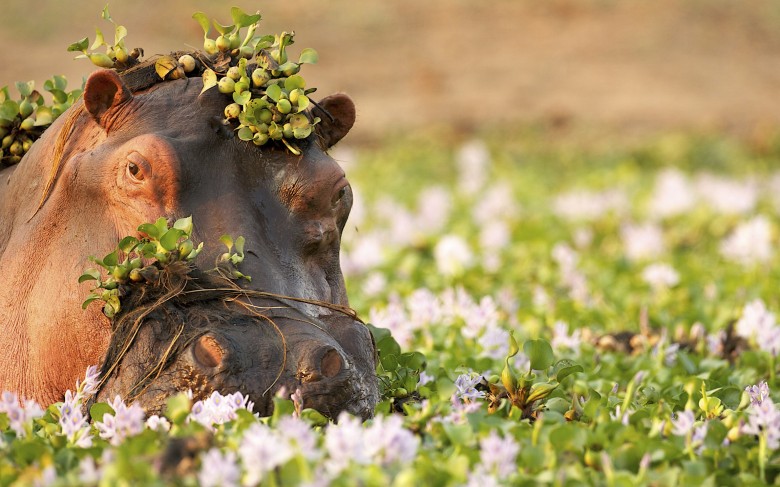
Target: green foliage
23,120
115,55
269,99
140,260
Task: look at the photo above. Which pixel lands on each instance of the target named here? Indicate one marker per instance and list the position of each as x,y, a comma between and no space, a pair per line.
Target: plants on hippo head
269,96
116,55
140,260
22,121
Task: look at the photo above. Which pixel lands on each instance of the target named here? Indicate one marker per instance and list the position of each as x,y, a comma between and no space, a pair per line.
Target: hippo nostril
331,363
207,351
319,364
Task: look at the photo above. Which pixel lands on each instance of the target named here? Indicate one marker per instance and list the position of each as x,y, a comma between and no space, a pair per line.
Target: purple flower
344,443
764,418
20,417
683,423
425,379
125,422
465,385
219,409
73,423
758,393
299,435
219,470
498,454
261,450
91,381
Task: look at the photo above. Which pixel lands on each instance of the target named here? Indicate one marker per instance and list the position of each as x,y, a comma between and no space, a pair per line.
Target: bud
187,62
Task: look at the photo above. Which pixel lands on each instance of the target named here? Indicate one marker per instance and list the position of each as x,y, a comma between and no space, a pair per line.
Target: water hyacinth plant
580,351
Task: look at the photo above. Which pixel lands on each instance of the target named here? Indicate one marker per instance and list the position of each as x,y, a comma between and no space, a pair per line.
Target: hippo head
164,151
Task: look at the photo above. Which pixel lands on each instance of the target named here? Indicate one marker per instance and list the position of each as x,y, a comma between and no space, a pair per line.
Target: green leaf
170,240
388,346
308,56
120,32
209,80
25,89
184,224
127,244
58,95
201,18
111,259
90,275
245,133
177,408
564,368
89,299
9,110
164,65
242,98
274,92
389,362
100,409
303,103
240,241
293,82
99,40
228,241
223,29
79,45
43,116
105,15
154,230
540,354
241,19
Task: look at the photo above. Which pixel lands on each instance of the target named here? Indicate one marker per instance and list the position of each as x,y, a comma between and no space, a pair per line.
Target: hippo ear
104,92
337,113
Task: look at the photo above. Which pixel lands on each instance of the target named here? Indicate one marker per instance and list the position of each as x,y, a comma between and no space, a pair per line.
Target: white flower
750,243
496,203
642,241
588,205
452,255
495,342
660,276
473,161
158,423
562,339
755,318
366,253
394,318
494,236
727,195
374,284
498,455
673,194
434,205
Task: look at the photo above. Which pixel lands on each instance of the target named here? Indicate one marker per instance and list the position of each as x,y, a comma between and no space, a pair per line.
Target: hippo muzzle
257,347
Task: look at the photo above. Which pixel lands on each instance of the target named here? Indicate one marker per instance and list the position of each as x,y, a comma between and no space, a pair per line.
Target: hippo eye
137,167
135,171
339,196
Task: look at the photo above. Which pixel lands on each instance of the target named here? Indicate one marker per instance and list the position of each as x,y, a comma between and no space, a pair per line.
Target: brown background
629,65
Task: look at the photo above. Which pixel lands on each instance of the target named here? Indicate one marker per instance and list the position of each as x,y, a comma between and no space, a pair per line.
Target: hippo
134,149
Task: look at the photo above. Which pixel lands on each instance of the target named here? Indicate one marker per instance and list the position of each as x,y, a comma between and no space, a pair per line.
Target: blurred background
624,68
